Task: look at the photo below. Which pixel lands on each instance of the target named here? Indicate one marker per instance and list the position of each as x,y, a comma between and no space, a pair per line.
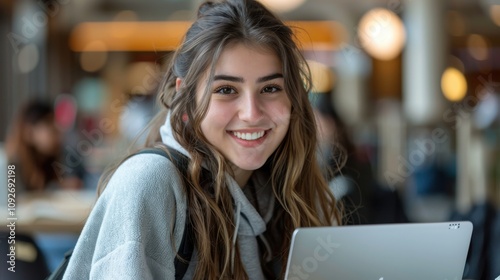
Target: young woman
237,106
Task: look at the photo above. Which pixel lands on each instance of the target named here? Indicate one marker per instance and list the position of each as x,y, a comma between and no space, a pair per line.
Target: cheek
40,137
223,111
215,119
42,141
280,112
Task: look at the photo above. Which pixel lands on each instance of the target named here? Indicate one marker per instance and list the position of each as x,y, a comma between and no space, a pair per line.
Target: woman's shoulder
129,225
143,185
146,173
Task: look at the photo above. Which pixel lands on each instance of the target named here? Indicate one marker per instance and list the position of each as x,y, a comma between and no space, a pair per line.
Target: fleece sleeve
127,235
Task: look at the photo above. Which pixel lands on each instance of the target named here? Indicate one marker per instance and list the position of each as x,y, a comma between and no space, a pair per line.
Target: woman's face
45,137
249,111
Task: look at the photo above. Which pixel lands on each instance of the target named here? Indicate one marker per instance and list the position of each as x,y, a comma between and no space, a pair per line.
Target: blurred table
56,211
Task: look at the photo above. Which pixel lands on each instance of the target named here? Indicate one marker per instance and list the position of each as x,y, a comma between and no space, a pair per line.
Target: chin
250,166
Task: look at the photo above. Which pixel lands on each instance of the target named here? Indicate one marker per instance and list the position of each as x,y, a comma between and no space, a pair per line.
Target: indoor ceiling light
382,34
453,84
143,35
282,5
478,46
495,14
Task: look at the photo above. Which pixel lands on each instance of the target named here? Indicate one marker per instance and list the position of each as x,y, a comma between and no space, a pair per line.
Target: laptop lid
412,251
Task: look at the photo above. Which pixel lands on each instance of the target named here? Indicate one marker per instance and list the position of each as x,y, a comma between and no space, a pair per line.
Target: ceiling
311,9
348,12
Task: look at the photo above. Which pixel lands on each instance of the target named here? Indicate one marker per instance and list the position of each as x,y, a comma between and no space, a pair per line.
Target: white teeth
248,136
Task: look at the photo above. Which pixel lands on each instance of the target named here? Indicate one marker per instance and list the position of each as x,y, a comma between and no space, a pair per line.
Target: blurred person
349,176
235,108
34,145
347,169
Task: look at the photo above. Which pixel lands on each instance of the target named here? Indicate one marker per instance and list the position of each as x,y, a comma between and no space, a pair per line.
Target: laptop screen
381,252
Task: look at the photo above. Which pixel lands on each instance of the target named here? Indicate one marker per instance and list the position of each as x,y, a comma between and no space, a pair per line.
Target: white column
423,61
463,197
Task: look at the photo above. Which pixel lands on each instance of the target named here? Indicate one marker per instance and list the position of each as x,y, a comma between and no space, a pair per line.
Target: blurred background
414,85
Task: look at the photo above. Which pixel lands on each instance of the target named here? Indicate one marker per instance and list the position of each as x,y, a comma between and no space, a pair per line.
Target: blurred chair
29,261
494,249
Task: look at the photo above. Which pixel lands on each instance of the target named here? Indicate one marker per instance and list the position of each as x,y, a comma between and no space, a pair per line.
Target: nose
250,108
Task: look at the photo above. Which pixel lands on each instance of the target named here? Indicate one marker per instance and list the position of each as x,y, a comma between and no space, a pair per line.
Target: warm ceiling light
495,14
453,84
144,36
478,46
116,29
382,34
282,6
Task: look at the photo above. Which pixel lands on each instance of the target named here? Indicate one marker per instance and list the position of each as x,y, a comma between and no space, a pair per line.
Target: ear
178,82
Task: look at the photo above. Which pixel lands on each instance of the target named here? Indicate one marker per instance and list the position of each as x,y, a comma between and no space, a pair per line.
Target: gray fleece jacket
127,235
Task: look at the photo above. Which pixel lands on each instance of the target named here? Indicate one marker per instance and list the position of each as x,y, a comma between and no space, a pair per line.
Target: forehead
247,59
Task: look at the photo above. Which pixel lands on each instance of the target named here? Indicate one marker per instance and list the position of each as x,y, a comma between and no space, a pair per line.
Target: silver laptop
413,251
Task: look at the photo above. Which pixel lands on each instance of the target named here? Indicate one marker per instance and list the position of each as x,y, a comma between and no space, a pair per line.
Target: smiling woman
249,111
237,111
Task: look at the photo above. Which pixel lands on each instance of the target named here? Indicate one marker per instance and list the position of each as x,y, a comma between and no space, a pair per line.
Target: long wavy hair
303,197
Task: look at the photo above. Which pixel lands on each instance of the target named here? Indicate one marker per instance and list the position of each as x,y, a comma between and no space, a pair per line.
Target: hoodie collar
252,222
167,137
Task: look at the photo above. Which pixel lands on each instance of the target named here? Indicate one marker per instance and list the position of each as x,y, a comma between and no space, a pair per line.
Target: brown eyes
271,89
226,90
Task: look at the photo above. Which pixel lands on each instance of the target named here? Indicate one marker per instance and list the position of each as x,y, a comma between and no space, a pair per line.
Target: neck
241,176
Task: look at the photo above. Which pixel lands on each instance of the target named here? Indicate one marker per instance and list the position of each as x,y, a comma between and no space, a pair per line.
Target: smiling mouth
249,136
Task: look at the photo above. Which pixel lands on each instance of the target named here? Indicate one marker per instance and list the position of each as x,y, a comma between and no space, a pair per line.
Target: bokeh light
382,34
453,84
478,46
282,5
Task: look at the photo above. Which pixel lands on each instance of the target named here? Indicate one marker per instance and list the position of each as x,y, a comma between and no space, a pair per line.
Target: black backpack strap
181,263
58,273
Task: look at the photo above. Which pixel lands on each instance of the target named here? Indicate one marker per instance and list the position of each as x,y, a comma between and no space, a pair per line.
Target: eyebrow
241,80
